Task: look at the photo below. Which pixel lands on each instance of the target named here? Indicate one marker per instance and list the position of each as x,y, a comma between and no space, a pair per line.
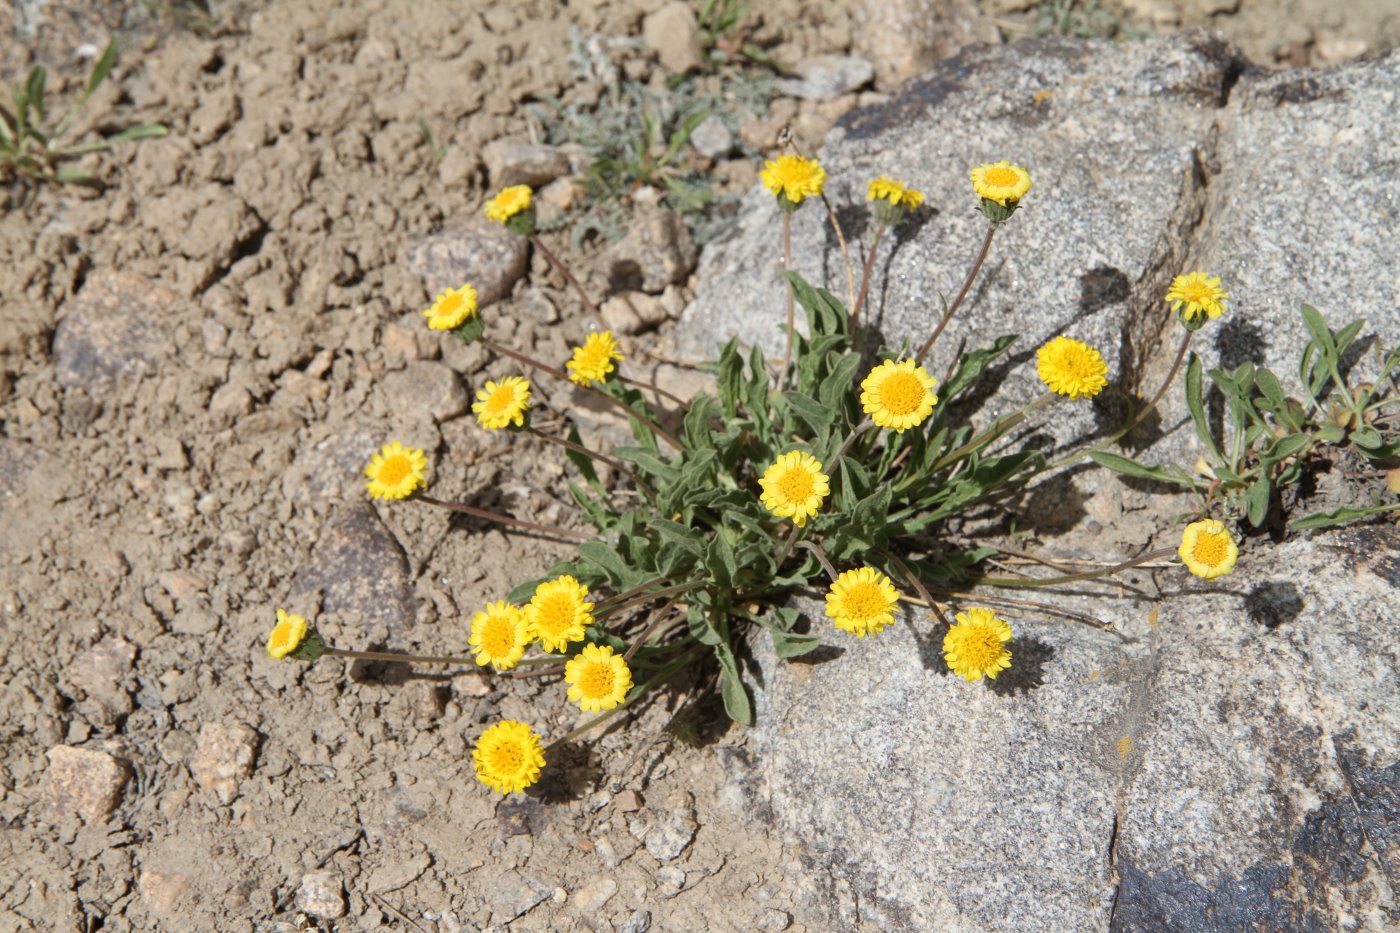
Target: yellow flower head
1207,549
598,678
508,203
1001,182
396,471
1071,368
503,403
898,395
795,486
885,188
1195,293
594,360
508,757
500,635
794,178
287,636
976,645
862,601
559,612
452,308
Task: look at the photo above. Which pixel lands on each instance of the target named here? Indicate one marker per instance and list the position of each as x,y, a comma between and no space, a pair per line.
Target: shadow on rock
572,770
1273,603
1029,656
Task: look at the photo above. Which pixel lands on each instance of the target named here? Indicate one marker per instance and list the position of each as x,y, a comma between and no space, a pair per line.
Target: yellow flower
594,360
500,635
508,203
598,678
452,308
508,757
885,188
898,395
287,636
1071,368
503,403
1207,549
1001,182
396,471
862,602
976,645
794,177
1197,292
559,612
795,486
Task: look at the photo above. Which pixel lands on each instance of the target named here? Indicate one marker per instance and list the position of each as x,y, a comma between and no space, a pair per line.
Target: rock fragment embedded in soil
774,920
429,388
828,76
514,163
475,251
82,782
99,672
673,33
322,894
712,139
360,569
639,922
674,828
656,252
110,332
512,895
905,37
161,889
224,757
594,894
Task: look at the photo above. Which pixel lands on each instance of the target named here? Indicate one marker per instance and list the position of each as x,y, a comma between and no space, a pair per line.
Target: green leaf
792,645
1371,443
1257,501
73,176
142,131
1130,467
649,462
817,416
606,559
825,312
731,686
522,592
971,366
698,620
1331,433
100,70
719,561
1339,516
1290,445
729,378
34,89
1196,404
471,330
1320,332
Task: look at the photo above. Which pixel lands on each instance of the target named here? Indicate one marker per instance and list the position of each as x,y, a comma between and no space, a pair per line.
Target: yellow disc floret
1071,368
975,645
1207,549
1001,182
862,601
593,361
286,636
898,395
794,487
897,193
503,403
1196,293
508,203
598,678
396,471
794,177
508,757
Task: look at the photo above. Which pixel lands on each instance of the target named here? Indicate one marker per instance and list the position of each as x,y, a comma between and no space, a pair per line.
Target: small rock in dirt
512,895
194,622
904,37
512,163
774,920
99,672
639,922
428,387
606,851
657,251
634,312
594,894
674,35
82,782
554,200
477,251
674,829
828,76
322,895
712,139
629,801
671,879
109,332
360,568
224,757
457,165
399,872
160,889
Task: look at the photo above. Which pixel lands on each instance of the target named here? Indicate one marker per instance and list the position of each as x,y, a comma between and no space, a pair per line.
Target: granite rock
107,333
82,782
477,251
656,252
515,163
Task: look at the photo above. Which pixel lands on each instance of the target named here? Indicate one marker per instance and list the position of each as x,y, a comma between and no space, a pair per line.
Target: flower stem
502,519
661,616
396,656
791,299
1074,577
865,280
996,431
579,448
856,432
787,545
918,584
817,551
569,277
612,608
967,286
845,252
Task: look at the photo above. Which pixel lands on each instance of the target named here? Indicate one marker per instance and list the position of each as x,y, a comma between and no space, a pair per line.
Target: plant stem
502,519
612,608
967,286
569,277
396,656
661,616
996,431
816,549
787,545
856,432
918,584
865,281
1074,577
791,298
845,252
579,448
654,388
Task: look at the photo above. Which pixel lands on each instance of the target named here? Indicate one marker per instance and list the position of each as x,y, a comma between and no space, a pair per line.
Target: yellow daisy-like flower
503,403
594,360
1197,293
898,395
508,757
1001,182
559,612
500,635
976,645
1207,549
1071,368
598,678
508,203
396,471
794,177
452,308
862,601
794,487
885,188
287,636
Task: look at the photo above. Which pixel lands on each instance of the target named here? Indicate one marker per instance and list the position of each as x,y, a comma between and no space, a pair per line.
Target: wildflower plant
837,474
